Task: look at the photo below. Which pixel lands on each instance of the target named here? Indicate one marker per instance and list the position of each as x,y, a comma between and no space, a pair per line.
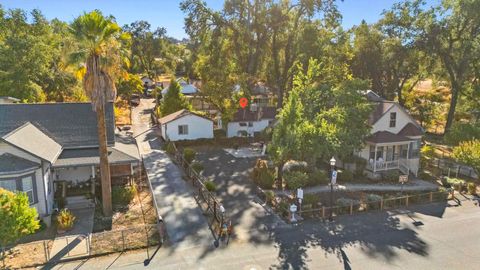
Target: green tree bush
123,195
197,166
472,188
17,218
210,186
262,175
173,100
460,132
468,153
296,179
345,176
189,155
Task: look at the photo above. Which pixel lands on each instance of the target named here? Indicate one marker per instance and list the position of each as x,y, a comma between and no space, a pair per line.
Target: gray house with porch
52,147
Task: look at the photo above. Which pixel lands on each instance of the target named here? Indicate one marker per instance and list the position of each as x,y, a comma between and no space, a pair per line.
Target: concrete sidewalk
185,223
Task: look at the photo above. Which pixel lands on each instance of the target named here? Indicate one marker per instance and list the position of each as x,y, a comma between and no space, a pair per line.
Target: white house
47,147
249,122
395,138
185,125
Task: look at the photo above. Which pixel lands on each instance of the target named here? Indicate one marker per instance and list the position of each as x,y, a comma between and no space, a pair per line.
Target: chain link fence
40,252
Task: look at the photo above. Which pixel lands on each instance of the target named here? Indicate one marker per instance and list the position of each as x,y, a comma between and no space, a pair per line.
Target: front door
390,153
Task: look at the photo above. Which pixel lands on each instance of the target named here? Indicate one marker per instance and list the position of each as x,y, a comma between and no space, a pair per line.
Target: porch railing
401,164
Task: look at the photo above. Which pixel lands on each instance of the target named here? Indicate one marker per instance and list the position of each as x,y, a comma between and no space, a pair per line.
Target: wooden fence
382,204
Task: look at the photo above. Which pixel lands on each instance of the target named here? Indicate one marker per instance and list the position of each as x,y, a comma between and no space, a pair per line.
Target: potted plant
65,220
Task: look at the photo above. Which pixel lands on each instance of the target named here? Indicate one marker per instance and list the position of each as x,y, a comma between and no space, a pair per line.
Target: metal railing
208,200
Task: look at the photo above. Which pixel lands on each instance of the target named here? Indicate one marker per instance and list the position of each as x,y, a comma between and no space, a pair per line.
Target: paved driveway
237,193
185,223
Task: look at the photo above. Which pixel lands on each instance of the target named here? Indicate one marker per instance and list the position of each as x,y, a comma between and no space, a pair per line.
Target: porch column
93,181
375,160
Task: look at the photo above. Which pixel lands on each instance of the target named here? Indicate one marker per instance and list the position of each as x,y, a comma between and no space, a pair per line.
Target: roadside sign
293,208
334,177
300,193
403,179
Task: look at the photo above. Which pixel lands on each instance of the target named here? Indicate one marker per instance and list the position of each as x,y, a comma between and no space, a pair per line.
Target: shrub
391,176
311,199
472,188
345,176
346,202
210,186
269,196
189,155
170,148
65,219
460,132
373,198
262,175
296,179
360,164
283,208
425,176
219,134
123,195
454,181
317,177
427,151
197,166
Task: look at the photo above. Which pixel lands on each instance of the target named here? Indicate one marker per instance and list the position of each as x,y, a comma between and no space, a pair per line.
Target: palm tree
96,35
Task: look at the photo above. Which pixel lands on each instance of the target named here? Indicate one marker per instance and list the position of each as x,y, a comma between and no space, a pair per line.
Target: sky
167,13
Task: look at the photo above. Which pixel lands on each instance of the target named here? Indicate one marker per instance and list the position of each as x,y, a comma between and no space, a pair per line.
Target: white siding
234,127
6,148
198,128
383,124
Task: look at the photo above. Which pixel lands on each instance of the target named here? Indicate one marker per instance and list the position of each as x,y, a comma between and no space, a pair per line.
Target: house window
379,152
393,119
415,149
24,184
10,184
250,124
183,130
27,187
242,124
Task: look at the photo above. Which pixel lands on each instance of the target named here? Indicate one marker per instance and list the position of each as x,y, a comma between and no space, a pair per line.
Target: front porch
393,156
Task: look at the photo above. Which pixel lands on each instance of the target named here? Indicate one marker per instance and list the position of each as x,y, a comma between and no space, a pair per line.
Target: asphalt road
435,236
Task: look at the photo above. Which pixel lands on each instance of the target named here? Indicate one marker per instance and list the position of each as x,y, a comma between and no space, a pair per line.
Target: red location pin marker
243,102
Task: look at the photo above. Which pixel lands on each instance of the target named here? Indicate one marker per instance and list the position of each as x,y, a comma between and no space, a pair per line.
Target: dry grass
122,112
133,216
27,255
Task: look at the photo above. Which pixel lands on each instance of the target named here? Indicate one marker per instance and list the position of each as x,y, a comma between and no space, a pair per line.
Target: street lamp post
332,182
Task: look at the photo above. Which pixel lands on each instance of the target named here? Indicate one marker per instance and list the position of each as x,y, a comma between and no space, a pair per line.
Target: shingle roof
13,164
90,156
380,109
177,115
69,124
410,130
32,140
261,113
386,137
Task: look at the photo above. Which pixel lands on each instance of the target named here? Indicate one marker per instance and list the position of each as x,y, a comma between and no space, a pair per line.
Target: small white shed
185,125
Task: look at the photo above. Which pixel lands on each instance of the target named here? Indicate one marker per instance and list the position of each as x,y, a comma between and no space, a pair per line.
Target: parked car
135,100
